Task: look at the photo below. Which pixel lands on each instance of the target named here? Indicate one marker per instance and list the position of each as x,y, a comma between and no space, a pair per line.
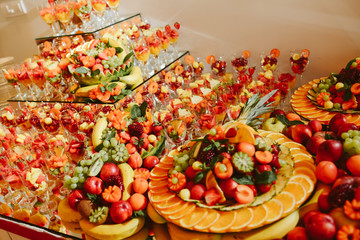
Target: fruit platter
325,97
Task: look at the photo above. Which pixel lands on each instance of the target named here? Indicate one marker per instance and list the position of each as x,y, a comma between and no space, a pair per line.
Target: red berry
168,28
231,133
177,25
159,33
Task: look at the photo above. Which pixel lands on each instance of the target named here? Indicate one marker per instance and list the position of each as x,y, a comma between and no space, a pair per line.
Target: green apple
273,124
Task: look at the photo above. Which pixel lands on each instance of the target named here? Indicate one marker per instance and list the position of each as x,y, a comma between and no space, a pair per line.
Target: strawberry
159,33
264,167
231,133
177,25
263,188
168,28
134,141
212,197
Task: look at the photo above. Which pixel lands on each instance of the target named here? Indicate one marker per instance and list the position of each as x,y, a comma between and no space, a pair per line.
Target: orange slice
275,135
124,25
194,218
302,157
354,118
190,207
288,201
260,216
305,171
22,214
297,190
292,144
158,173
305,181
225,221
165,196
168,77
210,59
305,53
275,210
158,183
171,203
246,54
176,209
306,164
179,70
243,217
244,133
297,150
189,59
275,52
211,217
167,160
5,209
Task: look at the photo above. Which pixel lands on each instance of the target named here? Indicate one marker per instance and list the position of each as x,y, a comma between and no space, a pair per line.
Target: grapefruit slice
297,190
260,216
275,210
305,181
288,201
225,221
243,217
194,218
211,217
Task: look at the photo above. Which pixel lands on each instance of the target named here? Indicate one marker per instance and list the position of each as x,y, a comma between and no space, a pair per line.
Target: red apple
336,121
330,150
109,169
197,192
277,112
301,133
323,202
228,186
313,143
315,125
150,162
93,185
325,134
346,127
120,211
321,226
289,131
75,197
308,215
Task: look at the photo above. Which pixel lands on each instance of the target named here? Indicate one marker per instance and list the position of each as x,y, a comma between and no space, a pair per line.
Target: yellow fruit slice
178,233
225,221
291,145
244,133
210,219
275,210
275,135
288,201
73,227
297,190
305,171
157,173
167,160
175,209
210,182
5,209
194,218
159,183
154,215
22,214
39,220
260,216
297,150
66,213
188,210
306,164
305,181
243,217
303,157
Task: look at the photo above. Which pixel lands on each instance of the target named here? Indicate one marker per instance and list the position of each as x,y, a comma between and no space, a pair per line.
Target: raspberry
135,130
207,156
114,180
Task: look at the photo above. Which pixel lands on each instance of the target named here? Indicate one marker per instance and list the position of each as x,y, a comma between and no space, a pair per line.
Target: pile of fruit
338,92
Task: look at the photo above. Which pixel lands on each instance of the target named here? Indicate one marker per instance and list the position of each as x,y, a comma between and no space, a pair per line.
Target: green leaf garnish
82,70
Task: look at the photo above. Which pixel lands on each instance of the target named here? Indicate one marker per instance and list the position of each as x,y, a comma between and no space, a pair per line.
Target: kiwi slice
95,168
99,215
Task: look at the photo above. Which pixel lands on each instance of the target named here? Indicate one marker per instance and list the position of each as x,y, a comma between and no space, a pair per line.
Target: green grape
88,162
184,165
75,180
356,133
321,85
348,140
67,178
68,181
106,143
326,97
328,81
337,105
83,162
178,168
85,170
106,65
73,186
113,142
186,156
82,179
344,135
323,90
78,169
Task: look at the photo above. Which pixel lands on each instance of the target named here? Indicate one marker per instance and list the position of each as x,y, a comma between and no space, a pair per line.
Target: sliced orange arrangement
192,216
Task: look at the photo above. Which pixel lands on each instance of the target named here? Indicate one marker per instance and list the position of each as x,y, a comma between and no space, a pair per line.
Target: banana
341,219
161,232
127,175
134,78
74,87
276,230
178,233
66,213
112,231
154,215
141,235
312,203
73,227
98,129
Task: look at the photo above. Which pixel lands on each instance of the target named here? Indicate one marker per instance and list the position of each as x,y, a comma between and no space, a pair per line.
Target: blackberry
114,180
341,193
207,156
136,130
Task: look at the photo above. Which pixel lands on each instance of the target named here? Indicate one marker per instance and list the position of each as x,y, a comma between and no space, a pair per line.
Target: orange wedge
288,201
244,133
305,181
275,210
157,173
246,54
5,210
291,144
303,157
243,217
297,190
194,218
158,183
22,214
179,70
167,160
297,150
211,217
305,163
210,59
225,221
176,209
275,52
305,171
260,216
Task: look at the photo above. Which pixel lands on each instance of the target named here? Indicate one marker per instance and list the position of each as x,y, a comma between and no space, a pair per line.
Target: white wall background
330,29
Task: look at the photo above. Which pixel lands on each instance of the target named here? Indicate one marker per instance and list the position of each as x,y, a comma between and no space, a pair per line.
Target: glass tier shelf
175,56
49,35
